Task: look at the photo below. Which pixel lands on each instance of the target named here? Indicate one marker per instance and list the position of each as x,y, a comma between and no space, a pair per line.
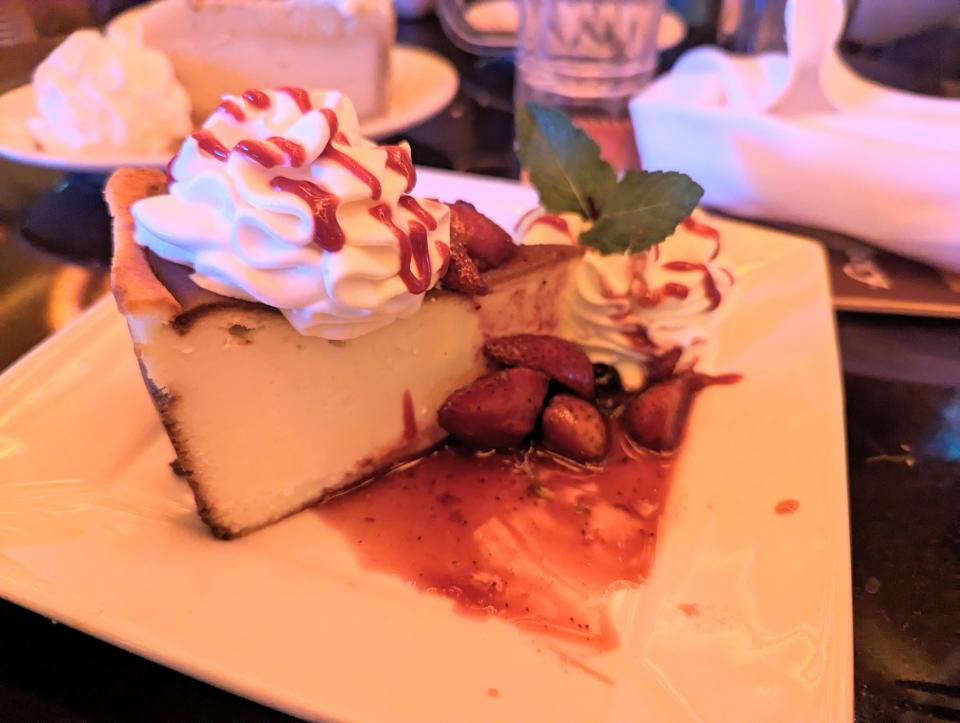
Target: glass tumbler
585,57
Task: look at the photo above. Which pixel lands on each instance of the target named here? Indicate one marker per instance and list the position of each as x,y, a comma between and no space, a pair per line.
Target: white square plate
746,615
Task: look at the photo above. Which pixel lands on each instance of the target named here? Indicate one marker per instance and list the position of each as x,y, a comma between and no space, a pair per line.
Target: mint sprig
628,216
642,211
564,162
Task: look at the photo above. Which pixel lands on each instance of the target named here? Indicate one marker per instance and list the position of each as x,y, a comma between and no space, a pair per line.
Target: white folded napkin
801,138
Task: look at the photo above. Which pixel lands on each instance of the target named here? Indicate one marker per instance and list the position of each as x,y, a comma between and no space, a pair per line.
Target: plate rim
392,122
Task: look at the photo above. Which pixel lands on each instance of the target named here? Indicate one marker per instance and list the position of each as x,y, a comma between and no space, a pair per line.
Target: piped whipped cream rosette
100,94
629,310
278,200
653,280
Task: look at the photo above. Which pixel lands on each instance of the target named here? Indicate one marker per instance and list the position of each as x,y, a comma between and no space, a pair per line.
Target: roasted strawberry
663,366
487,243
574,428
462,273
559,359
496,411
655,417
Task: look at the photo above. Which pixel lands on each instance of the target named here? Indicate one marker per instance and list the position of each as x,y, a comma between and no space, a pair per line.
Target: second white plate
422,84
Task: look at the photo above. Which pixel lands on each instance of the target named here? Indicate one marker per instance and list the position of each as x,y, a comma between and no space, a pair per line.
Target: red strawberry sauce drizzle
296,154
638,336
414,249
419,253
709,284
555,222
703,229
398,159
261,152
334,124
208,143
549,219
675,290
300,96
648,298
231,108
354,167
327,232
423,215
257,98
409,417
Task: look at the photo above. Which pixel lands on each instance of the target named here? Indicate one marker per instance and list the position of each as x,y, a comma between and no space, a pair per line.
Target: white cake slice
223,47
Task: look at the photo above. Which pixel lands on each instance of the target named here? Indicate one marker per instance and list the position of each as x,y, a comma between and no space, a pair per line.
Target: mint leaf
564,163
642,211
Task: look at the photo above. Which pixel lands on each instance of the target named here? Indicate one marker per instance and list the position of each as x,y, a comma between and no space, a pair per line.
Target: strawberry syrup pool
527,537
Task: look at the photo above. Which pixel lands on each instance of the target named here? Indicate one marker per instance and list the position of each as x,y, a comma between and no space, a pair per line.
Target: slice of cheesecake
220,47
266,421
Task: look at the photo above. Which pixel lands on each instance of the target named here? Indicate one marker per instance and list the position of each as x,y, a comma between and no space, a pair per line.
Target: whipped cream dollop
96,93
278,199
627,310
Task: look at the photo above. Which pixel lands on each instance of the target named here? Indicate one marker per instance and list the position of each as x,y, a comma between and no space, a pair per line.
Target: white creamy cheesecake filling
321,415
100,94
627,310
279,200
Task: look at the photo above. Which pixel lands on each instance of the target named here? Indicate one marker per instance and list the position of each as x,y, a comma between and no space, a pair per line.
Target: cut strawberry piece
559,359
462,273
488,244
655,417
574,428
496,411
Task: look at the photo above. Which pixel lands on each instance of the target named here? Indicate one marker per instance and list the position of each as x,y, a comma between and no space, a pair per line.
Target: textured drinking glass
589,54
588,58
585,57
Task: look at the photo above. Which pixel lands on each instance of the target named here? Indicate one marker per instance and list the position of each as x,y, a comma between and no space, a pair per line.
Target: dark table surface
901,378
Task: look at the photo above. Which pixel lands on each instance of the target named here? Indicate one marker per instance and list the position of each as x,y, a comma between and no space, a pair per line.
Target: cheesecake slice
222,47
266,421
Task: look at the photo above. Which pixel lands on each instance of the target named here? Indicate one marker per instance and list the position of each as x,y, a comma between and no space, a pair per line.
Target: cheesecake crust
135,287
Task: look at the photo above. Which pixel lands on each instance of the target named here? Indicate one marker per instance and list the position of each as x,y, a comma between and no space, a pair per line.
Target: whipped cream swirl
279,200
101,94
628,310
